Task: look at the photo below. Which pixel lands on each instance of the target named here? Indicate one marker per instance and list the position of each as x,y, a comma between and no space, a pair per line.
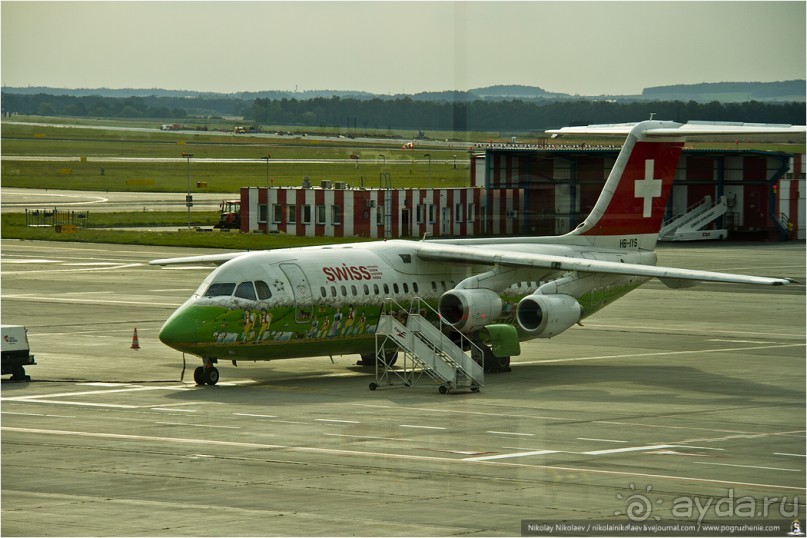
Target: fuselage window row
263,290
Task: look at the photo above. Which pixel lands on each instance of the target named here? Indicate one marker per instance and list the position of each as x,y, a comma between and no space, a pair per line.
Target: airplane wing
214,259
485,255
692,128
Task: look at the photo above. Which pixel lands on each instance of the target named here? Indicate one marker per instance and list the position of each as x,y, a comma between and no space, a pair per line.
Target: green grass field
90,173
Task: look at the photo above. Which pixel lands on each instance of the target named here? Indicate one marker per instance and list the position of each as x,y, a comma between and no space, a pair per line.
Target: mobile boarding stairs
424,350
691,225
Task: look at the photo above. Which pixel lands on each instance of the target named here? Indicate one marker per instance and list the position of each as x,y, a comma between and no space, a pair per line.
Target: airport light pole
266,158
188,198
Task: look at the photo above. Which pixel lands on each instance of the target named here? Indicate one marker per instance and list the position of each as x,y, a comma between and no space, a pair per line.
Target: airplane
499,291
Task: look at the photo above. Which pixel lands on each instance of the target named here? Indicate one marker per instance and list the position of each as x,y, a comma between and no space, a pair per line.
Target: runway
665,395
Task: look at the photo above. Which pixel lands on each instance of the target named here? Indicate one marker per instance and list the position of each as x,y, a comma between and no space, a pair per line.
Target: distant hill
108,92
726,92
185,94
502,92
730,92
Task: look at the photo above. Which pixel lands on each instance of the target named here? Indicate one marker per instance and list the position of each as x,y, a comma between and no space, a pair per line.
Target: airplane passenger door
301,290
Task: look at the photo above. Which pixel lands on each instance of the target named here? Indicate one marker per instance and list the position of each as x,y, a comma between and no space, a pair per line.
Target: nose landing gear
207,374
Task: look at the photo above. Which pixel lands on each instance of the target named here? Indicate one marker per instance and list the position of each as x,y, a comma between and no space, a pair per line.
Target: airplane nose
181,328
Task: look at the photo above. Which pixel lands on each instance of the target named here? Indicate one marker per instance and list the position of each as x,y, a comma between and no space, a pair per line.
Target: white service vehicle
16,353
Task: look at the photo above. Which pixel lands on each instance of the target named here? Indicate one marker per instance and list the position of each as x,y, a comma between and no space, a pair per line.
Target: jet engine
545,316
470,309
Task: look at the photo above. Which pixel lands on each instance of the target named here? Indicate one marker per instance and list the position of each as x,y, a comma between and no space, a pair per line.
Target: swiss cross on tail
642,182
648,188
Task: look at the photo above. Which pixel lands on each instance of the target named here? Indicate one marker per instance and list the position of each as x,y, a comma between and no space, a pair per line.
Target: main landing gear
370,359
493,364
207,374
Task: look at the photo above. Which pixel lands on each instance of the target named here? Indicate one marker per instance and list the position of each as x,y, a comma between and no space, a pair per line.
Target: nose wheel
206,374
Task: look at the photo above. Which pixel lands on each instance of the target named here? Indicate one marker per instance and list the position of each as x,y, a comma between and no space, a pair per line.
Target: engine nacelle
545,316
470,310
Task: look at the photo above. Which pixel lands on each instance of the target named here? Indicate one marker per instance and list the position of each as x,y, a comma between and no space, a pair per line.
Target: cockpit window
263,290
246,290
220,288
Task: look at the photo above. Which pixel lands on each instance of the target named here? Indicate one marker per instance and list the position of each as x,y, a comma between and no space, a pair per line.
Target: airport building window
261,212
457,212
291,214
419,214
431,213
306,214
379,216
336,214
263,289
470,213
277,213
321,216
220,288
246,290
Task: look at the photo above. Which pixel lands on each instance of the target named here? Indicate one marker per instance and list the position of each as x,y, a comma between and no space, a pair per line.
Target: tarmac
666,401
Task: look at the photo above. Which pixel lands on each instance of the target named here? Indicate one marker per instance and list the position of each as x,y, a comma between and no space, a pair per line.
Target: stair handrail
706,200
711,214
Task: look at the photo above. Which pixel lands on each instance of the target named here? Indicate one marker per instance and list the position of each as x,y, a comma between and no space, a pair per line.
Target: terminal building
530,190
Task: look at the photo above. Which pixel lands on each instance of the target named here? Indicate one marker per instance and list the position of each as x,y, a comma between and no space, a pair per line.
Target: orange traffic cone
135,341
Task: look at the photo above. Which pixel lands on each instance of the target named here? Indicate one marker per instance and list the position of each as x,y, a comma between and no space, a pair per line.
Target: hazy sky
589,48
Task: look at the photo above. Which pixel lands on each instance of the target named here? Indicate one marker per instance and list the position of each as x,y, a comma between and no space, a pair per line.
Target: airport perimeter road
665,396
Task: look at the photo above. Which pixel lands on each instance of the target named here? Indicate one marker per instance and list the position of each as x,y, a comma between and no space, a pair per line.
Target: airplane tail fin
629,212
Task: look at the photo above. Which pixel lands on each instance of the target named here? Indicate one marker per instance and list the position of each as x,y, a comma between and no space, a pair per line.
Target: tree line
404,112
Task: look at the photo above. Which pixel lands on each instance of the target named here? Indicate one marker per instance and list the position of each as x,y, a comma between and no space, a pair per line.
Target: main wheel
391,358
500,364
211,375
370,360
492,362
